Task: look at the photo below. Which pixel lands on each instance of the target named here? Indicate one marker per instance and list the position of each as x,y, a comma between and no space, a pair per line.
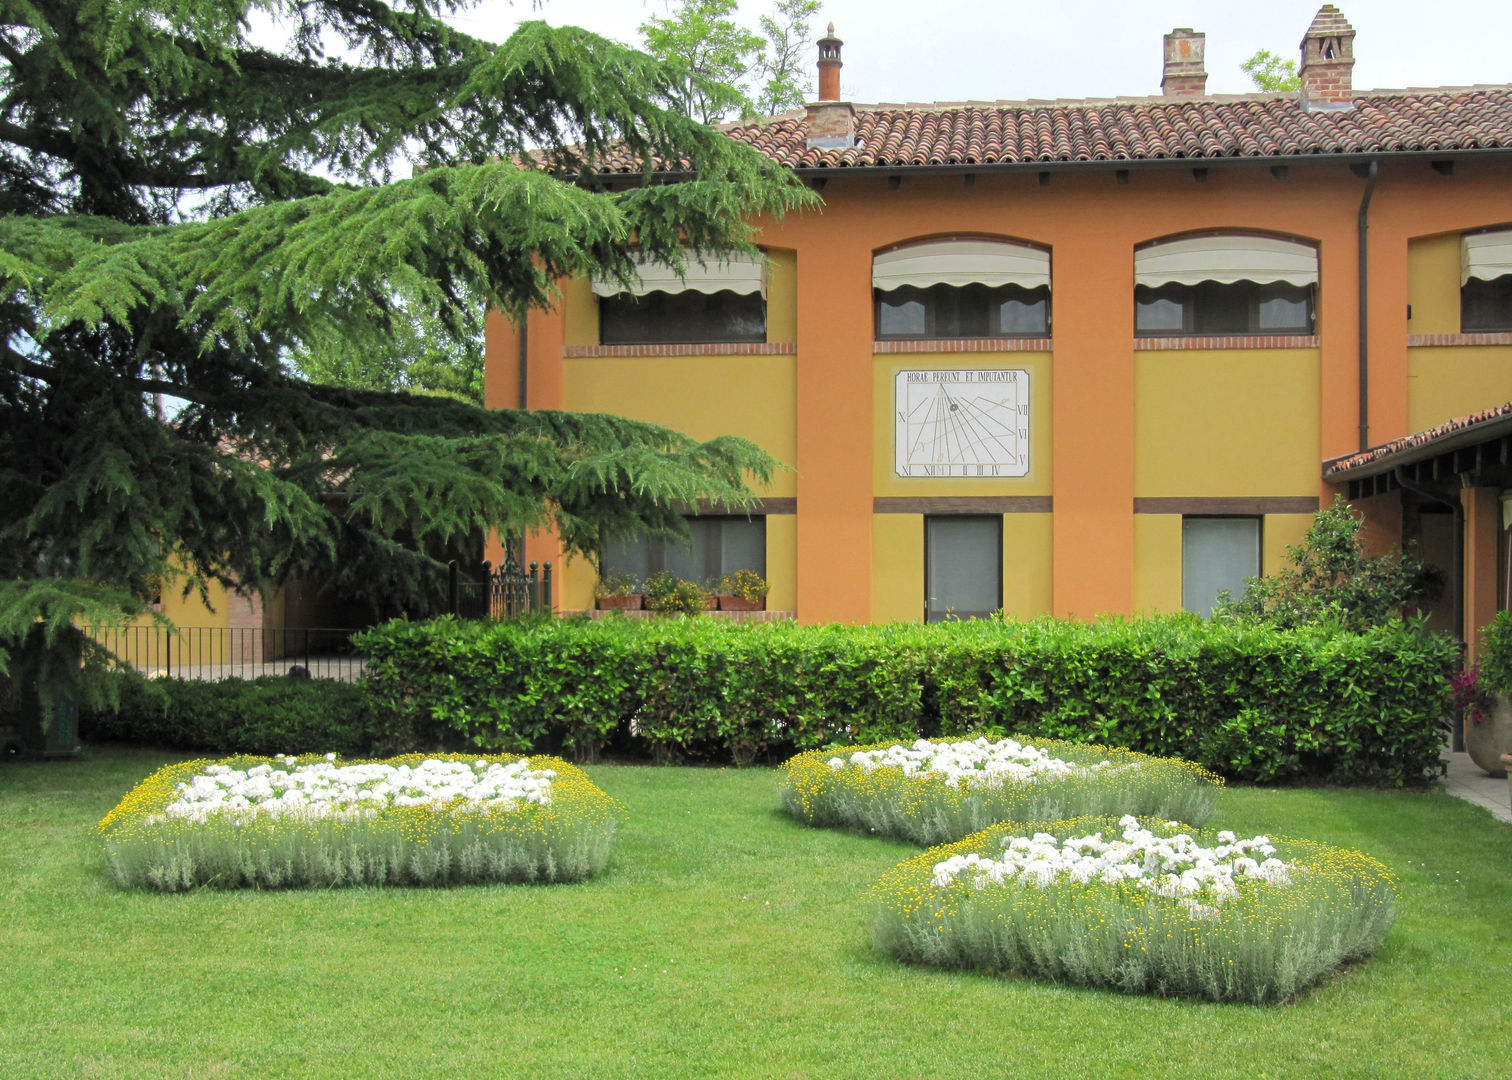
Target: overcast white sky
956,50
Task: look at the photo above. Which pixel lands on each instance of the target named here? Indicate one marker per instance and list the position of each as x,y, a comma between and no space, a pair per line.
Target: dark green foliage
1330,580
270,715
1247,701
187,205
669,596
1495,655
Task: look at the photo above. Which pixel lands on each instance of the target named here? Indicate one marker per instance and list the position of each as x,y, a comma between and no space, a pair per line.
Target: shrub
406,821
1140,908
933,792
255,716
616,583
669,596
1244,700
746,584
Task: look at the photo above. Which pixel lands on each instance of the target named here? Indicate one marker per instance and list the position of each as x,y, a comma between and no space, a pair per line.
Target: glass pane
694,318
742,546
1284,307
1217,554
963,574
900,313
1158,312
1486,305
1222,309
1026,313
630,556
693,563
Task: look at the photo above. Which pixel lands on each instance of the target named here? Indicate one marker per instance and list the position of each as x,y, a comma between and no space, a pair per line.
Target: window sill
1483,337
1227,341
962,345
728,348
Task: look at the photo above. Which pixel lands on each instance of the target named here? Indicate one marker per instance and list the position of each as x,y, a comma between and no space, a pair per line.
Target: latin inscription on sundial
962,423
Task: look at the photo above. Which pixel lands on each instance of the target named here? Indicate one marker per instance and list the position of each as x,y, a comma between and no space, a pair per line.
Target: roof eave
1470,435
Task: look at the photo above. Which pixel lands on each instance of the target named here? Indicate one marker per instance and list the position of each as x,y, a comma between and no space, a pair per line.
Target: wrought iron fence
504,593
220,652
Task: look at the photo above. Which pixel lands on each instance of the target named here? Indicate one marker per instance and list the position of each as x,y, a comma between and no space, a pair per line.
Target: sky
960,50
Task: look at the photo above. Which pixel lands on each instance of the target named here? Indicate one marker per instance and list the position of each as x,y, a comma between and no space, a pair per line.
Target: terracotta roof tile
1373,459
1142,129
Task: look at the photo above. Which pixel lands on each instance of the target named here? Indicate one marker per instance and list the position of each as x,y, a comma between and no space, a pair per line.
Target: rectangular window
719,546
963,567
1486,305
682,318
961,311
1211,308
1217,553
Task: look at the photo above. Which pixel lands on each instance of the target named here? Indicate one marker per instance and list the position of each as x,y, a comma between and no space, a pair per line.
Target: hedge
1248,702
271,715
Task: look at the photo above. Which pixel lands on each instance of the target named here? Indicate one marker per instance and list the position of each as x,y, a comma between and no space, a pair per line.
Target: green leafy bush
669,596
1242,699
254,716
1331,580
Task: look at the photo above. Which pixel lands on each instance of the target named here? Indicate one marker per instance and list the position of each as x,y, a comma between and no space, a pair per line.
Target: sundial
962,423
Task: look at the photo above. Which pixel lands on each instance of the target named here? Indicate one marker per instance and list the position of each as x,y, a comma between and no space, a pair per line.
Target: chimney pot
1184,75
1327,60
831,122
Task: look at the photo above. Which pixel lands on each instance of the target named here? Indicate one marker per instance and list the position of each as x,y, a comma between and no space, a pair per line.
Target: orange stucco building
1101,349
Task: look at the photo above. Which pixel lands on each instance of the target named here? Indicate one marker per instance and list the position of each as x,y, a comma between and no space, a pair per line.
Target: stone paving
1466,781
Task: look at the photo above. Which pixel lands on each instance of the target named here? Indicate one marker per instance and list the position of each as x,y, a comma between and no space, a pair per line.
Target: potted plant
744,590
666,594
1488,719
619,591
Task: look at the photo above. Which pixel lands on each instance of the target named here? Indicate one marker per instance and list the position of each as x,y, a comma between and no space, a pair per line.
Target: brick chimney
831,122
1327,57
1184,76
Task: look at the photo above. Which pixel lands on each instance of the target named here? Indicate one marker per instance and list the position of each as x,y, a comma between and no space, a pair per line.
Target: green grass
724,939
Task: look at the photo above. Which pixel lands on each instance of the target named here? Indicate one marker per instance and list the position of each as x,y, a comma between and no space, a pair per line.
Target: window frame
1259,564
1253,298
998,562
682,338
1501,301
657,547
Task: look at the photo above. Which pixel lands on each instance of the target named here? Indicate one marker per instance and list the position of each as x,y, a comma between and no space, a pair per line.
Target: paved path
1466,781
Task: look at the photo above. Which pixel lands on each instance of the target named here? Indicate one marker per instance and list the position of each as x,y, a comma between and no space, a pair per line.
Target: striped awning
962,262
1226,259
1486,255
735,272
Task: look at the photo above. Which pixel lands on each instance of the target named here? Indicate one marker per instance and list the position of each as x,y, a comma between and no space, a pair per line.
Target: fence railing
221,652
504,593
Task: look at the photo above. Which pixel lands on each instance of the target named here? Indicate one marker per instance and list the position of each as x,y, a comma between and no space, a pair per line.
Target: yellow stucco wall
1280,532
782,562
1433,285
1027,578
886,481
1226,422
897,568
580,312
1157,563
1450,381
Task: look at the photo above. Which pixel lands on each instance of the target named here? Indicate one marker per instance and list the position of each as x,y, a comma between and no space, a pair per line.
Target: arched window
1486,281
1231,283
711,303
961,288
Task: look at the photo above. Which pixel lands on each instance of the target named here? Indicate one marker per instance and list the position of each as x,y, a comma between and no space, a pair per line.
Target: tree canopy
1270,73
186,206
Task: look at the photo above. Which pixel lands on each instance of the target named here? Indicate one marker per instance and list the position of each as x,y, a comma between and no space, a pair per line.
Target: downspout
1458,510
1362,229
524,358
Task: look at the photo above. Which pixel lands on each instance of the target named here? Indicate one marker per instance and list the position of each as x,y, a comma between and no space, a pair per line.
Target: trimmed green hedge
1248,702
271,715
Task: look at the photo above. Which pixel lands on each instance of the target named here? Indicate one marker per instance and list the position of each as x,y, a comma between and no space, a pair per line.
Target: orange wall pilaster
834,432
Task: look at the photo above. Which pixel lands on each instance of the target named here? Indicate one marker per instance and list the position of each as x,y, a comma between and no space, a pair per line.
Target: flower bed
312,821
933,792
1140,906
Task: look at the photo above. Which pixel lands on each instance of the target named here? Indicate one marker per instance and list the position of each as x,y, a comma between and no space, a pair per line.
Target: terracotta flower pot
740,603
1489,742
630,602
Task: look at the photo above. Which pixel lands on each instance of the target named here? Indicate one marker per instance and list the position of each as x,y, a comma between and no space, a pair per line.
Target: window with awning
717,301
962,288
1229,284
1486,281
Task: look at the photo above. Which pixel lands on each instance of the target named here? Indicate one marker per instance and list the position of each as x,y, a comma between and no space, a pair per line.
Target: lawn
723,940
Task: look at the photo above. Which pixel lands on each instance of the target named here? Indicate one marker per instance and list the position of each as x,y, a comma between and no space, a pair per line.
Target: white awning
1486,255
962,262
735,272
1226,259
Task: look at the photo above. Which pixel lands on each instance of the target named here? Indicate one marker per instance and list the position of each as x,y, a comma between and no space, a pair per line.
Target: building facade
1067,357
